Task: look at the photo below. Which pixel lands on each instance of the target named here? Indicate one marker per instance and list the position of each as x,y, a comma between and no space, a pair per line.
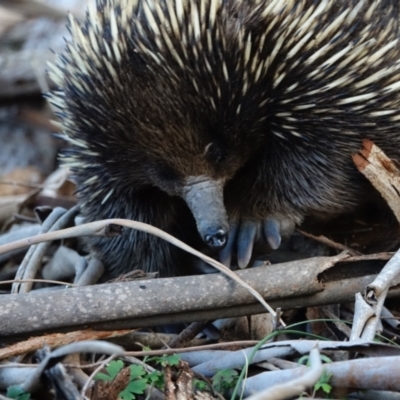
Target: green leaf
167,360
323,382
136,371
303,360
16,392
124,395
102,377
325,359
326,387
199,384
114,368
156,378
173,359
225,379
137,386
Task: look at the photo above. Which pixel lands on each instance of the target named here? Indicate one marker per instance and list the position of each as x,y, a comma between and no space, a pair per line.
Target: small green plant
137,383
323,382
156,379
165,360
113,369
305,360
138,379
16,392
200,385
224,380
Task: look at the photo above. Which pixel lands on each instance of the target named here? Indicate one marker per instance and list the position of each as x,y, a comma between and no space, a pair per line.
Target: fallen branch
381,373
127,305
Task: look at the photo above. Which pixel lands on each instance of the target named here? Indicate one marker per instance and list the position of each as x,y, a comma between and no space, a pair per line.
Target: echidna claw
245,242
225,255
272,233
244,235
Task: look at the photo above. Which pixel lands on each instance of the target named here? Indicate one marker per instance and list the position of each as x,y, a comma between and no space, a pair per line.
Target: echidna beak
204,196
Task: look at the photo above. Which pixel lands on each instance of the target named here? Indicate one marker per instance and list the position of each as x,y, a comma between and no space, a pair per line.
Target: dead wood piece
118,302
389,318
296,386
178,382
381,172
30,378
330,243
388,277
151,302
188,334
211,363
58,219
137,340
57,340
20,232
368,373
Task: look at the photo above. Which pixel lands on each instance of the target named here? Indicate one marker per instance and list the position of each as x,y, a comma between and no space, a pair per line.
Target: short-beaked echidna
239,117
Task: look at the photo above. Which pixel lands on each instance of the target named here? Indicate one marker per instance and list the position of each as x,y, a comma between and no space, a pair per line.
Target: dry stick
389,318
187,334
47,224
37,281
385,177
374,323
362,313
377,373
101,228
92,346
296,386
215,346
33,264
389,276
324,240
57,340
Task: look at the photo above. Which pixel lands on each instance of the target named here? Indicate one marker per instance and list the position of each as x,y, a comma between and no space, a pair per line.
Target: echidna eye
214,153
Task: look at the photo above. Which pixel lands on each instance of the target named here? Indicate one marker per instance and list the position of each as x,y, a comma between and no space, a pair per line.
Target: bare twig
362,313
389,276
296,386
330,243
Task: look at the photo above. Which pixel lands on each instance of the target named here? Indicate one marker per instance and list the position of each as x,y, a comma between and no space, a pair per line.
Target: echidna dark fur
222,121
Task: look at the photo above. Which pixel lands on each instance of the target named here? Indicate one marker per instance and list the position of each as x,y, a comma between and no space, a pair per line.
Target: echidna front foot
245,234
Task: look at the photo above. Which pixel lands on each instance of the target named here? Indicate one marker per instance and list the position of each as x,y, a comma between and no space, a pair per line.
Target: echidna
239,117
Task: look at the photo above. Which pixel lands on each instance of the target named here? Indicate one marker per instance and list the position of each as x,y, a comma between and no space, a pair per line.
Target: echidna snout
204,196
217,238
